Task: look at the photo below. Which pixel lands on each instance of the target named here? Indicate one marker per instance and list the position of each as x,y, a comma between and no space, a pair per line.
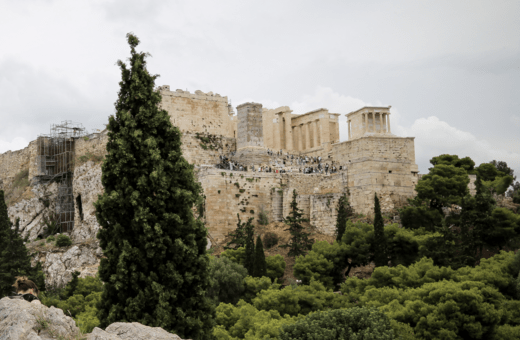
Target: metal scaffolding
55,162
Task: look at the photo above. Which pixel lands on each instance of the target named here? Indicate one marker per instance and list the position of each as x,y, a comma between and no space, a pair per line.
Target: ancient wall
12,162
199,112
378,164
317,197
230,192
249,131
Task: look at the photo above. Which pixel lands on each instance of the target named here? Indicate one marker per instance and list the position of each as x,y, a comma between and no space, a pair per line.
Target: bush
227,280
234,322
78,299
63,241
51,239
270,239
295,300
254,285
341,324
235,255
263,219
275,266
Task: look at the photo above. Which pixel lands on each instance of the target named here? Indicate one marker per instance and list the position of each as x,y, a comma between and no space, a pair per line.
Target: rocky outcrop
20,319
58,264
33,212
86,188
131,331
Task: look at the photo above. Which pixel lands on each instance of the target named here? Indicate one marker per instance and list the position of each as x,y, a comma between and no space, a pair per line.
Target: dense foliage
380,252
14,258
300,242
227,280
156,269
344,212
341,324
260,265
78,299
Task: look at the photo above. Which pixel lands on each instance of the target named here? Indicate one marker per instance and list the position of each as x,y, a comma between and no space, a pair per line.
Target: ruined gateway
371,160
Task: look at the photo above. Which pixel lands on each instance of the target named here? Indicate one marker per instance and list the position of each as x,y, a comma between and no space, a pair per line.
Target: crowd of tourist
288,163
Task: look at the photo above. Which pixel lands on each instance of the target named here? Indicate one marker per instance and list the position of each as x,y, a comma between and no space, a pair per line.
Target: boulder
20,319
131,331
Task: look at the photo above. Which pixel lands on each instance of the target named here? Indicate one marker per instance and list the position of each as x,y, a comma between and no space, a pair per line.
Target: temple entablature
369,121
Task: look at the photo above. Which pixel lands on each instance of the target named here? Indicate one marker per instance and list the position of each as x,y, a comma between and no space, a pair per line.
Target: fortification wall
199,112
12,162
378,164
230,192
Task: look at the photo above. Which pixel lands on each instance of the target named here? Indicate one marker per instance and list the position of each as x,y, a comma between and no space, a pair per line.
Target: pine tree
156,267
260,263
238,236
249,261
344,211
14,258
300,242
380,257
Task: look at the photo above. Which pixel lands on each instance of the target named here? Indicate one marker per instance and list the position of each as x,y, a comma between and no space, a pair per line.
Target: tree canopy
156,268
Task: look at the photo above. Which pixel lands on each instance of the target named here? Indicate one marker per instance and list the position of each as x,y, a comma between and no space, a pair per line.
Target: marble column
288,131
348,129
388,123
381,122
365,118
316,133
307,136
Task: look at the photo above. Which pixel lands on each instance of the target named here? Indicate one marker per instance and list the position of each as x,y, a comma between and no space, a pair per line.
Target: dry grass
20,189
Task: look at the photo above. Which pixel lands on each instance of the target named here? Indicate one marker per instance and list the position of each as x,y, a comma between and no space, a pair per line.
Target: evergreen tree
260,268
156,268
300,242
249,261
238,236
380,257
344,213
14,259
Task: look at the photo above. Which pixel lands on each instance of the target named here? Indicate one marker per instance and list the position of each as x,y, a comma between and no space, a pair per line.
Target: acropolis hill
371,160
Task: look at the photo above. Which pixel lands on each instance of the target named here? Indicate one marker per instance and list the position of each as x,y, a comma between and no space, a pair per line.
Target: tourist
26,290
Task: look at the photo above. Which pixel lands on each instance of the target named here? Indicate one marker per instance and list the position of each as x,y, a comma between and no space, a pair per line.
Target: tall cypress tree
156,268
14,259
344,211
380,257
238,236
260,263
300,242
249,261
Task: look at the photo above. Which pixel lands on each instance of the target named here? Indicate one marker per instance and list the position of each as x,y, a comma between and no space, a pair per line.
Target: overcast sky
449,69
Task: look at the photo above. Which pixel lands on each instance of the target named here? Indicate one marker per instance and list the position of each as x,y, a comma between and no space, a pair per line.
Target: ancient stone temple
248,163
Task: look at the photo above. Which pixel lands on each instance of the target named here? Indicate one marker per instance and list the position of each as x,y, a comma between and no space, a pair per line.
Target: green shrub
341,324
270,239
63,241
254,285
275,266
50,239
78,299
263,219
234,322
235,255
294,300
227,280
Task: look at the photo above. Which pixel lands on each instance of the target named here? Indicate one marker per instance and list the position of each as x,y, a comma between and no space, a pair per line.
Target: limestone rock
59,266
86,188
131,331
20,319
31,212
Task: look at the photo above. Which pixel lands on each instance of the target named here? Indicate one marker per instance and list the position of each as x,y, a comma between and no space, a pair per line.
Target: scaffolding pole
55,162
